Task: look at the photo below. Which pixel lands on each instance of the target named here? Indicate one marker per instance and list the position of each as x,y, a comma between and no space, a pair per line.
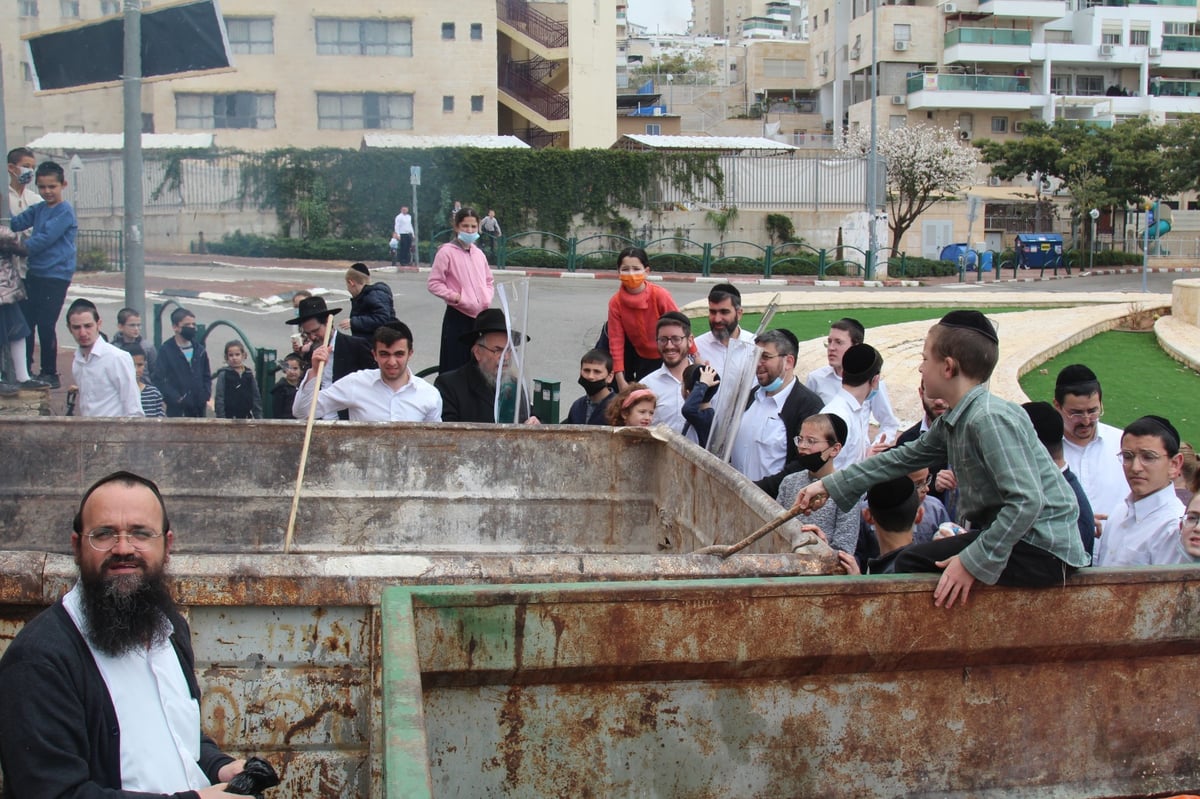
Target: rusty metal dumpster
288,646
819,687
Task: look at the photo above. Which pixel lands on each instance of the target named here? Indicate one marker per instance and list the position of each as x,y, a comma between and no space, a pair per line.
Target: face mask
871,395
813,461
26,176
592,386
774,385
468,238
632,282
188,333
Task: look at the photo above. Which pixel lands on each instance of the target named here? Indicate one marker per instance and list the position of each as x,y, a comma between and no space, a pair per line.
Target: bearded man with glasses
1090,447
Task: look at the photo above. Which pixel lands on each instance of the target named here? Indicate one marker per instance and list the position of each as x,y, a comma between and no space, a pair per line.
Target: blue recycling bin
1039,250
952,252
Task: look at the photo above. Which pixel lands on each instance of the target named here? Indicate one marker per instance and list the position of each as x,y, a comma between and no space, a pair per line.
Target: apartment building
751,19
990,66
309,74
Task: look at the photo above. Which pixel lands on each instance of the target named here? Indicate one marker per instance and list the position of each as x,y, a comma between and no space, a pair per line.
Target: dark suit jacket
185,386
801,403
912,434
466,396
350,354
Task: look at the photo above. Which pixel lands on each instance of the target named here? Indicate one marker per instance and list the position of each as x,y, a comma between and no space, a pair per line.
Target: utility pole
5,211
873,166
135,256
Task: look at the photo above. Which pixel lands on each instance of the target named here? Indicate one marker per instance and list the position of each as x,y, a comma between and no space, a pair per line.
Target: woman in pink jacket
462,279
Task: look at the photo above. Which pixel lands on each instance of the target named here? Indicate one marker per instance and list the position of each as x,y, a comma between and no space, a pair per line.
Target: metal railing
969,83
100,250
539,97
987,36
533,23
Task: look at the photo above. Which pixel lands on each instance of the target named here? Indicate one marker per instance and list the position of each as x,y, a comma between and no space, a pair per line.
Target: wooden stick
769,527
308,428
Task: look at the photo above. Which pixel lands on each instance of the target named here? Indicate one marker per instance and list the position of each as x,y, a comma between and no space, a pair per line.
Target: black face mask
592,386
188,333
813,461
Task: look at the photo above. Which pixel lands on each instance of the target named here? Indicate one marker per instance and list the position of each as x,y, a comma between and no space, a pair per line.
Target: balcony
987,45
949,90
967,83
1180,44
1174,88
763,28
1126,3
1000,36
1024,9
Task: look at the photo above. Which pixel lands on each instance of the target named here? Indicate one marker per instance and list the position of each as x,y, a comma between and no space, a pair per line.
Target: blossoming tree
924,164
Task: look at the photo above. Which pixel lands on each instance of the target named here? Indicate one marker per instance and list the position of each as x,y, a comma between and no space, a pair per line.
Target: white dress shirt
1098,468
107,382
156,713
369,399
668,393
717,354
1142,533
403,225
760,448
857,416
826,383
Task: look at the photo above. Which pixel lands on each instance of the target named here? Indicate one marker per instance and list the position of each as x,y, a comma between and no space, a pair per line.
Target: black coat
370,309
466,396
801,403
185,386
350,354
59,733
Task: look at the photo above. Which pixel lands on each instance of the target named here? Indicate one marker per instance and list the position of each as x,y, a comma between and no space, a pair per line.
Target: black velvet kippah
891,493
361,268
1167,428
1047,422
1073,375
839,428
970,320
860,363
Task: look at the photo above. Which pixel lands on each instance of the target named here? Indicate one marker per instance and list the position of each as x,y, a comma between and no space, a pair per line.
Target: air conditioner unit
950,8
1155,52
823,72
993,181
1106,51
899,99
965,135
855,54
900,47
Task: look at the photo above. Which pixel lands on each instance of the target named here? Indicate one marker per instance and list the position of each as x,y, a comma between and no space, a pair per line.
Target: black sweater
59,735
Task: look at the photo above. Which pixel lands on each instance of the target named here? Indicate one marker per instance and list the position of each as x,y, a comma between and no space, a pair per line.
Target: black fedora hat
489,321
312,308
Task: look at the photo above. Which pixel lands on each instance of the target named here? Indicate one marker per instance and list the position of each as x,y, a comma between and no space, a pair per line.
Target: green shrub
92,260
916,266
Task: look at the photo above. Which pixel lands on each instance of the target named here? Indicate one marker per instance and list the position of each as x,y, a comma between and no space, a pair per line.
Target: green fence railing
100,250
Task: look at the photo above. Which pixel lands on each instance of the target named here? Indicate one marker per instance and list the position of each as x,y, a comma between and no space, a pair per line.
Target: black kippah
726,288
1075,374
839,428
361,268
1047,422
860,363
1169,429
970,320
890,494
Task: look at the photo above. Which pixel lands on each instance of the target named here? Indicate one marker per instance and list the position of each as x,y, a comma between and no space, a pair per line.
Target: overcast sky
661,16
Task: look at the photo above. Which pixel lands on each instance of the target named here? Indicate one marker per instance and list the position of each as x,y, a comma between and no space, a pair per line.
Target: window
477,31
27,8
999,124
68,8
215,111
653,129
447,30
782,68
368,111
109,7
447,103
364,37
896,121
1110,38
1089,85
476,103
902,33
826,19
251,36
1141,38
1060,85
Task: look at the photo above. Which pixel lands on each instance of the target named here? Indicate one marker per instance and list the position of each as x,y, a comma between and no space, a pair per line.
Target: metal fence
100,250
785,183
202,184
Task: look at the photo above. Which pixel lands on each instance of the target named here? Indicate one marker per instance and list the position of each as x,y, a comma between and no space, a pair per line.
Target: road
565,314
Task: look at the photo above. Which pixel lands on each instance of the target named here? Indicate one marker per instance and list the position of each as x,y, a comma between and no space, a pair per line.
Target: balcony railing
1124,3
988,36
1174,88
968,83
541,98
535,69
533,23
1176,43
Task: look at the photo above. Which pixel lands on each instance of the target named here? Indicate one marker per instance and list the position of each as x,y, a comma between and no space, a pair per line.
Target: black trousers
454,353
1027,567
41,308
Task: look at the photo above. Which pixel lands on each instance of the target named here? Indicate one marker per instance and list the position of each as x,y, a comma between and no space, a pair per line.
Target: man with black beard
98,694
469,392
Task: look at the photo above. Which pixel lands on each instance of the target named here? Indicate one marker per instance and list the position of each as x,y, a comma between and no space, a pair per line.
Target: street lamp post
1094,214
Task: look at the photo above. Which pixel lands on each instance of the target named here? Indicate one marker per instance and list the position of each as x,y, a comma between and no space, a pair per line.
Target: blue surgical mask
871,395
26,176
774,385
468,238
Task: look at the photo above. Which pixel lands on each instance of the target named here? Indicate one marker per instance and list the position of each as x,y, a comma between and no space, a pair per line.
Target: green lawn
1138,378
815,324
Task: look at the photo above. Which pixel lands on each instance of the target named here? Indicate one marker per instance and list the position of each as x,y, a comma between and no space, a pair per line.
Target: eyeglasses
665,340
766,358
492,350
924,483
1190,521
1146,456
1090,413
809,441
103,540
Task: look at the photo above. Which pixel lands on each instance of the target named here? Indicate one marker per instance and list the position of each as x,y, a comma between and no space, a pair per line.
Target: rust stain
316,716
512,747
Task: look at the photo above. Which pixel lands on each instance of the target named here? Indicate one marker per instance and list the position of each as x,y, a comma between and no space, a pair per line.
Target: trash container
952,252
1038,250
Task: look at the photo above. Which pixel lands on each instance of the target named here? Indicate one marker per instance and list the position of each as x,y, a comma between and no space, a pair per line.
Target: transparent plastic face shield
513,388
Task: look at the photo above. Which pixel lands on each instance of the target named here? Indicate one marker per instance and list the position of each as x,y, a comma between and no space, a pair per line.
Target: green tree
676,64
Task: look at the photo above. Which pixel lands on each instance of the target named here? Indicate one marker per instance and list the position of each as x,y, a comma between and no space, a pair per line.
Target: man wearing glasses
472,393
1090,447
99,693
1144,529
674,339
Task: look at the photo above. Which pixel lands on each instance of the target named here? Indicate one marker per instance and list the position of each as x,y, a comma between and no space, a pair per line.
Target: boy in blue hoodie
51,265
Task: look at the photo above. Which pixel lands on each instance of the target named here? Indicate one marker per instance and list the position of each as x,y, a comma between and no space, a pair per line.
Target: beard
126,612
721,333
489,376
